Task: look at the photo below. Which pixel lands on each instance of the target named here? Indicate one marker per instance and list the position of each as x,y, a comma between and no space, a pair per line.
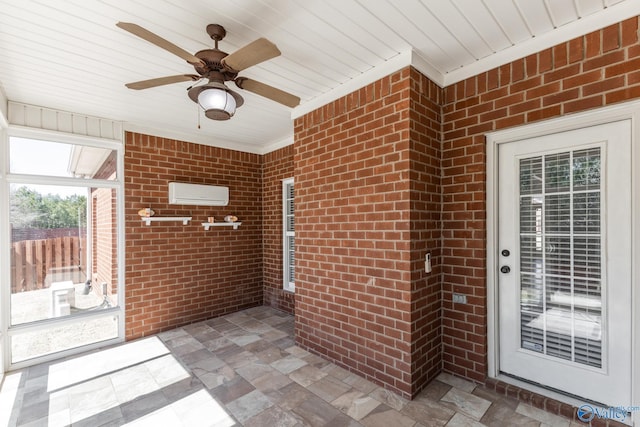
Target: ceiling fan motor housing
212,59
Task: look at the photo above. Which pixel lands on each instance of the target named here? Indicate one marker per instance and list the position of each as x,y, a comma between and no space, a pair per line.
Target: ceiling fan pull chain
198,114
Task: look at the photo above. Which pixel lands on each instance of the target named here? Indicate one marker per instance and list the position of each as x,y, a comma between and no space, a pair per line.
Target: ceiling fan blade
267,91
147,35
160,81
254,53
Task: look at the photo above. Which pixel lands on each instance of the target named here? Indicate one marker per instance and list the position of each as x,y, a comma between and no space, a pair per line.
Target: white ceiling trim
422,65
207,140
611,15
190,137
277,145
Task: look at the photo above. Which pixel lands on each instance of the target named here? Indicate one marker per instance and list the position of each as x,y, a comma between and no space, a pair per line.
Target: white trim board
4,107
629,110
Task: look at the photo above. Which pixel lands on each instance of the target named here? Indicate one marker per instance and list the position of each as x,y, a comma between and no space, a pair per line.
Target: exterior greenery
30,209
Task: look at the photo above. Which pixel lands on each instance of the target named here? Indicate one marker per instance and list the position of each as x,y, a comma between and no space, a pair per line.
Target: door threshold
562,397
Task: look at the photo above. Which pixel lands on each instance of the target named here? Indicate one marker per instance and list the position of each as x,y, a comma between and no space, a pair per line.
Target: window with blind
560,255
288,236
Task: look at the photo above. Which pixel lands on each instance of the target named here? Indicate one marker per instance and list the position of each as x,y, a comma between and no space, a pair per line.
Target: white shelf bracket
208,225
185,219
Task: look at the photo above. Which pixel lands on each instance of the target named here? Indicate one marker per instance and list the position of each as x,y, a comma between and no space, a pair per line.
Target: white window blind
288,242
560,256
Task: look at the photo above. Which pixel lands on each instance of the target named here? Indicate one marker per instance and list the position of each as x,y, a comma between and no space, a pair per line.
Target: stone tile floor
242,369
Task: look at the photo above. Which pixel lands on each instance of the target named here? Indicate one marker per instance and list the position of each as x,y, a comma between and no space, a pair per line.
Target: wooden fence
35,264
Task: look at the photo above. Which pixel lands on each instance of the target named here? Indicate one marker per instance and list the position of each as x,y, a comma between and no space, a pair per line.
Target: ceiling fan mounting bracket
216,32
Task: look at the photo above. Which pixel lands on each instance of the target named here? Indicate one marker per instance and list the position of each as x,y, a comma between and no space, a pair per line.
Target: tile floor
242,369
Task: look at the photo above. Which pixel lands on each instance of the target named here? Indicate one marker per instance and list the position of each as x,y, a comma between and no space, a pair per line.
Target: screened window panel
292,259
289,208
561,256
288,235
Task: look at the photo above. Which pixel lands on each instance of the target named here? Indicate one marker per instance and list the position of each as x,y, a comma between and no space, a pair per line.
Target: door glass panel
63,251
560,256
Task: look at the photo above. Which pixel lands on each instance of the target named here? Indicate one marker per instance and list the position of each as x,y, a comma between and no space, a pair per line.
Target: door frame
4,237
6,330
628,110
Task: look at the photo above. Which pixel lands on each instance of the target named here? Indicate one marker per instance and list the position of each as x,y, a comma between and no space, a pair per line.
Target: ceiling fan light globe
218,104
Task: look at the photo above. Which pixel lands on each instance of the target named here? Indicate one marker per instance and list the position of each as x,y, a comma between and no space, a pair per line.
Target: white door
2,350
565,261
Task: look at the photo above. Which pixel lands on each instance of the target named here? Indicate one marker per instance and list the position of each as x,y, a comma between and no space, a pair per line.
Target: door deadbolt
505,269
505,252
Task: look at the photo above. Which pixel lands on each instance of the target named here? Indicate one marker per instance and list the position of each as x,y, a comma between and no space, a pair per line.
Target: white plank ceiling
69,55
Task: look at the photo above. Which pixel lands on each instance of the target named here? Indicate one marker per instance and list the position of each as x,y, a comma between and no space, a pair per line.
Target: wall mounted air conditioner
182,193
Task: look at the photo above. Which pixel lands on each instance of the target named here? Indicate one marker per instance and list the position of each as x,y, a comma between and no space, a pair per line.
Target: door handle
505,269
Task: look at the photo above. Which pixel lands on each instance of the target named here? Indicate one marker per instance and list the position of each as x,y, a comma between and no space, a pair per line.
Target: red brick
545,60
582,79
526,84
603,86
517,70
576,50
561,73
629,32
583,104
623,95
560,58
559,97
592,44
532,104
543,90
622,68
610,40
531,62
509,100
544,113
604,60
505,74
493,80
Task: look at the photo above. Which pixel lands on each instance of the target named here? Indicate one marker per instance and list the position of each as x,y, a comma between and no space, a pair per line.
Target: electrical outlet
460,298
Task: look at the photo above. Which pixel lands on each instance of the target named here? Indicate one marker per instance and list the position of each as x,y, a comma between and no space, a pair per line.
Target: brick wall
179,274
598,69
355,277
426,201
276,166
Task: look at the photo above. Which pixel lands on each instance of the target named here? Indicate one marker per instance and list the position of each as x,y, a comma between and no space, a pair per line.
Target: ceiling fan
216,99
